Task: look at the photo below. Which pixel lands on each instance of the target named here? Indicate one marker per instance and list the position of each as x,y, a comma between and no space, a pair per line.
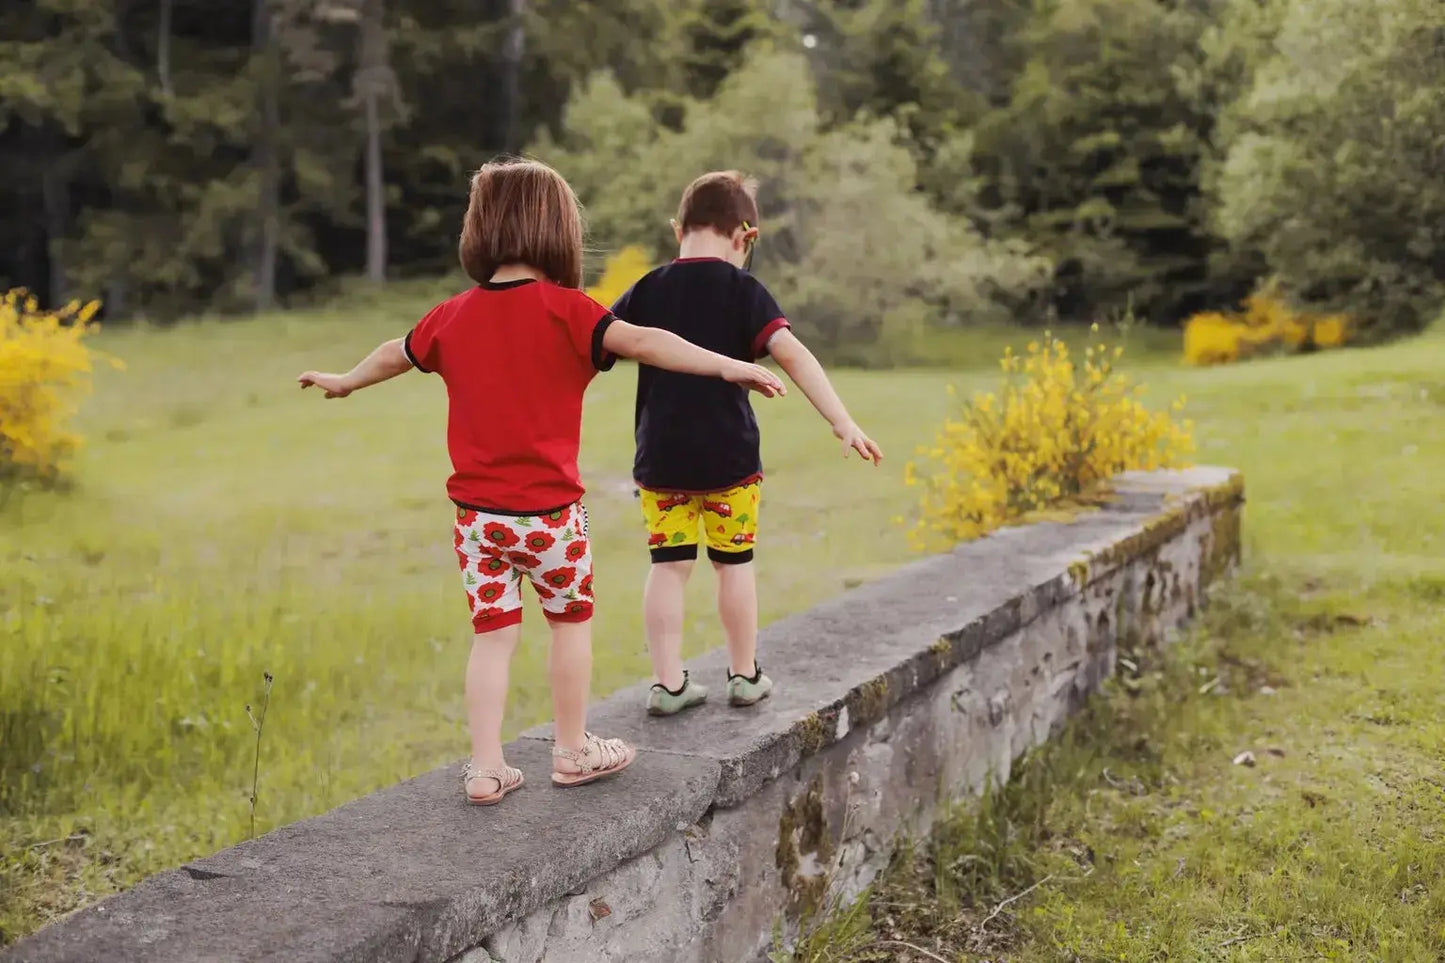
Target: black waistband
512,512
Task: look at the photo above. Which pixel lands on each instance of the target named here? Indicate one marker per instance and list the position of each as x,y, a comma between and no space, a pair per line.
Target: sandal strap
594,755
504,775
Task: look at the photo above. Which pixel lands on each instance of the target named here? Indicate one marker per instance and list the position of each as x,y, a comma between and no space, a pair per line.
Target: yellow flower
1050,435
44,374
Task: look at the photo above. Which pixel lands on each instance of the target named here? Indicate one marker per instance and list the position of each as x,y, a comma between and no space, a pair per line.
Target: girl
516,353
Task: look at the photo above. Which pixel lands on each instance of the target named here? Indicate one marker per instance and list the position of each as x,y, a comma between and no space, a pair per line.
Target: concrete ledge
732,823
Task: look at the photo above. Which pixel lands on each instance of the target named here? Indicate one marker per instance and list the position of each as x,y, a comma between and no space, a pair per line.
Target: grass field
1135,836
224,525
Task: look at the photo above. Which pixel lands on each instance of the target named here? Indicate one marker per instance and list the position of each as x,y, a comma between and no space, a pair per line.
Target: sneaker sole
744,703
656,711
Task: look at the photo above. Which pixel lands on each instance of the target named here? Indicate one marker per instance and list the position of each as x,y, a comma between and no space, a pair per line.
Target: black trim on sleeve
730,558
406,350
674,553
602,359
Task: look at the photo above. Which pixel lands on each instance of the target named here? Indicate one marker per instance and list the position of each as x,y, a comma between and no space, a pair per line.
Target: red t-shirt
516,358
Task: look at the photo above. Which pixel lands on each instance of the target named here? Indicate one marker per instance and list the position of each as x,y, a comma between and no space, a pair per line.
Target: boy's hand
853,439
755,377
334,385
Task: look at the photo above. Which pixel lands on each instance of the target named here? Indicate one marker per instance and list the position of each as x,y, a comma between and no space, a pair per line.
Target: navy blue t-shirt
698,434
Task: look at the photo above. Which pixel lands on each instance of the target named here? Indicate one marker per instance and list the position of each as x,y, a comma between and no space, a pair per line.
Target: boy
697,461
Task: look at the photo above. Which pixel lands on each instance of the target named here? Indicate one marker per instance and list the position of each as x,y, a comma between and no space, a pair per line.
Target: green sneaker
667,702
745,691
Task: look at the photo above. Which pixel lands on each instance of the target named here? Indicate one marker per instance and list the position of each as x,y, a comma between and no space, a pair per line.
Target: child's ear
676,229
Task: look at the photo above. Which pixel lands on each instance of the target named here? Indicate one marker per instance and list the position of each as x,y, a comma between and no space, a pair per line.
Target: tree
854,251
1096,155
265,156
1331,156
374,82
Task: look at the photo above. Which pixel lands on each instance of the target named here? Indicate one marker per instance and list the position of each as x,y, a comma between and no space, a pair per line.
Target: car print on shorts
720,509
743,538
668,502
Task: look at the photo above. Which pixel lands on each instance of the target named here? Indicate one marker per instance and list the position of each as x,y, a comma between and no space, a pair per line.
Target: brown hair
522,212
721,200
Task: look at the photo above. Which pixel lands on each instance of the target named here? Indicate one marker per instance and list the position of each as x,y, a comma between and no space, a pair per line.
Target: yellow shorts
728,520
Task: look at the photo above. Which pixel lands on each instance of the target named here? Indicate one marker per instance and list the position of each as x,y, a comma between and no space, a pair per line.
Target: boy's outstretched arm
795,358
387,361
663,349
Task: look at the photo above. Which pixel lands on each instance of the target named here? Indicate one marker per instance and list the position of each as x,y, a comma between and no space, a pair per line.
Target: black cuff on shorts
602,359
730,558
674,553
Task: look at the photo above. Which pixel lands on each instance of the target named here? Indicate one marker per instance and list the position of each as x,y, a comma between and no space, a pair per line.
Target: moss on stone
869,702
1224,549
813,733
803,831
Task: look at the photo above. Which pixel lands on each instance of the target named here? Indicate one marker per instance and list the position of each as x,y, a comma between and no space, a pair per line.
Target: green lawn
223,525
1145,841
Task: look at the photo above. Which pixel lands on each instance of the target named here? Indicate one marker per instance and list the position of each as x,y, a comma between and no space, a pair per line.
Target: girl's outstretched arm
663,349
387,361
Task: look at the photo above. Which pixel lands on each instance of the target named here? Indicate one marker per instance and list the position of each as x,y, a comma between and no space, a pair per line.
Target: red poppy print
543,592
560,578
539,541
488,614
577,608
490,592
492,567
575,550
466,518
556,519
499,535
523,561
586,587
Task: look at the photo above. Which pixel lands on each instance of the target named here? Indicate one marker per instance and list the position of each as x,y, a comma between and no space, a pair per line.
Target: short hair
522,212
721,200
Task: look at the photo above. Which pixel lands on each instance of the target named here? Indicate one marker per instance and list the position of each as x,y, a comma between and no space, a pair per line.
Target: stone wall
733,824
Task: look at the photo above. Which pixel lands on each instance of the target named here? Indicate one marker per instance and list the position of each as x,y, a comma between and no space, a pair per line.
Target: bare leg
737,608
662,615
486,693
570,667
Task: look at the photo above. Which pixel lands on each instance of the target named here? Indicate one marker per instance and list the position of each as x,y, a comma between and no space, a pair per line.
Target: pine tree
1096,155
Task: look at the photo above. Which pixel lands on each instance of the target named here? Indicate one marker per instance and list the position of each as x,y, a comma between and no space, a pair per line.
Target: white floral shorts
551,551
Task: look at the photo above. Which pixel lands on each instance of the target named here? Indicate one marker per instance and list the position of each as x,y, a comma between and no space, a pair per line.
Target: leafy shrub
1268,324
852,249
45,368
622,271
1057,431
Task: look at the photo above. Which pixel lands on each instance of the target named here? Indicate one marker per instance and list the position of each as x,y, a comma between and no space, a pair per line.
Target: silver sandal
508,780
596,759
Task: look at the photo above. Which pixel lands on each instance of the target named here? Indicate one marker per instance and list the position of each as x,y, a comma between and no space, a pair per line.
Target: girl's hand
755,377
334,385
853,439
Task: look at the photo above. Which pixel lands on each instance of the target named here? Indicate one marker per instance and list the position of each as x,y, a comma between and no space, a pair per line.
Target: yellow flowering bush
1055,432
622,271
45,368
1267,324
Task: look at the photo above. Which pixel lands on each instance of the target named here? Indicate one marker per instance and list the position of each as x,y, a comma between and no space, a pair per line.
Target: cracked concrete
732,825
